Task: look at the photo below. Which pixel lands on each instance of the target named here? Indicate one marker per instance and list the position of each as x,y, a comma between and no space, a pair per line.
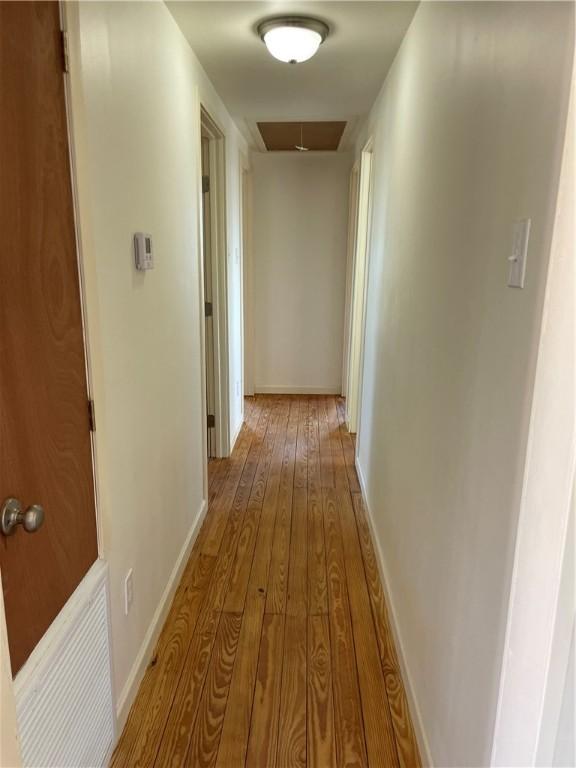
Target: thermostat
143,254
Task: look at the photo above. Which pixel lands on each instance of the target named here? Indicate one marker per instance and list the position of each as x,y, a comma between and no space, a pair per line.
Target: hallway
277,649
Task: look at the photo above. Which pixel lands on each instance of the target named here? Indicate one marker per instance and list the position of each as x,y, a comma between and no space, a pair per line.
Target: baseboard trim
289,389
423,743
130,689
236,433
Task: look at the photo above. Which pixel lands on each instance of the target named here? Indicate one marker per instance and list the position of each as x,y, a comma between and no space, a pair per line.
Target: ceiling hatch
287,137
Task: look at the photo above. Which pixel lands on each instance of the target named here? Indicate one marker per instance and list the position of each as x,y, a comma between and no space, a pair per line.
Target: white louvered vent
64,704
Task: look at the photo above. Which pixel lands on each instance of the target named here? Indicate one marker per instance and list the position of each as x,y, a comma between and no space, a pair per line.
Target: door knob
12,515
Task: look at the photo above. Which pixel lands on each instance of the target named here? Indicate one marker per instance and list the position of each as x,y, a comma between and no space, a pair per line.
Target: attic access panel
319,136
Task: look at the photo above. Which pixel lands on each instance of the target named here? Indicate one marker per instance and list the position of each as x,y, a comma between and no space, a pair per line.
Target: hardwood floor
277,650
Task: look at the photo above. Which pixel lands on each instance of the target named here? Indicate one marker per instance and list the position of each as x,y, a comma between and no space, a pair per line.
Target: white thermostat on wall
143,253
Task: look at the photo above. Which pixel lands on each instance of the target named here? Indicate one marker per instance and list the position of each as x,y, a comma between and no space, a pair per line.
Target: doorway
247,291
214,267
356,313
49,540
350,249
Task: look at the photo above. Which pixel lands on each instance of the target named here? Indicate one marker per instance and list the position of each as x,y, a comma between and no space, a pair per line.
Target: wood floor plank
321,750
240,574
297,603
278,581
197,571
146,720
408,753
376,710
292,730
378,729
338,460
326,466
317,590
277,650
236,728
263,741
181,717
350,744
177,733
218,478
238,482
207,727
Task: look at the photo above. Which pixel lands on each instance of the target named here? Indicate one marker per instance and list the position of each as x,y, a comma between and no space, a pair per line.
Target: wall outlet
128,592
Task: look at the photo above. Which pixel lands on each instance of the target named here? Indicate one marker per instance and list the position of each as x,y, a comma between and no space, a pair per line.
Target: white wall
137,86
9,742
468,136
541,608
300,215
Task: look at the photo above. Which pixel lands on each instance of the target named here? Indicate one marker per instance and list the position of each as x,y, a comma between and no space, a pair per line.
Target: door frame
218,234
246,277
359,281
353,191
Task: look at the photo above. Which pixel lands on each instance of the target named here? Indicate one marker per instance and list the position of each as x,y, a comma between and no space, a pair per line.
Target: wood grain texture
298,567
148,716
325,445
407,746
262,745
320,710
380,742
305,672
292,725
316,577
278,582
245,551
208,725
238,481
236,728
45,442
350,740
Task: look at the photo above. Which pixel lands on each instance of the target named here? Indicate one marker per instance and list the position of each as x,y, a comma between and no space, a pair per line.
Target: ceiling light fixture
293,39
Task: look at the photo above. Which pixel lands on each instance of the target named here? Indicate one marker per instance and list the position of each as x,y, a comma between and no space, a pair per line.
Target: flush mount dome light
293,39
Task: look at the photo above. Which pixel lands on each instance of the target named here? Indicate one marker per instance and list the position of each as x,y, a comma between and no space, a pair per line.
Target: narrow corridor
277,650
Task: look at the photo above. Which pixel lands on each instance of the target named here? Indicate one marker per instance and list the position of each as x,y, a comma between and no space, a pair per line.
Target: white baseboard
236,433
415,712
130,689
289,389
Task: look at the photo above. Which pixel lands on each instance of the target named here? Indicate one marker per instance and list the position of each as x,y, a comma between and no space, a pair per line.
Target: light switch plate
128,592
517,258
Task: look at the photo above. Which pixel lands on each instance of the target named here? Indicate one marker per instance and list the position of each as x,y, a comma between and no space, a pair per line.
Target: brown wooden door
45,446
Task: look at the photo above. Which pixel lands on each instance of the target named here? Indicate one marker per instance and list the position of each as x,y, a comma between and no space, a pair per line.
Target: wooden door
45,442
208,298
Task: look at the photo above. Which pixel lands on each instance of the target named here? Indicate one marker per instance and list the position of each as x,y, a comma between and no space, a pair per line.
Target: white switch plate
128,592
517,258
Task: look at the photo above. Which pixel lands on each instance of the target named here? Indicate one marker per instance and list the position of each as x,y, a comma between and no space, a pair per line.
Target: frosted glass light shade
293,40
